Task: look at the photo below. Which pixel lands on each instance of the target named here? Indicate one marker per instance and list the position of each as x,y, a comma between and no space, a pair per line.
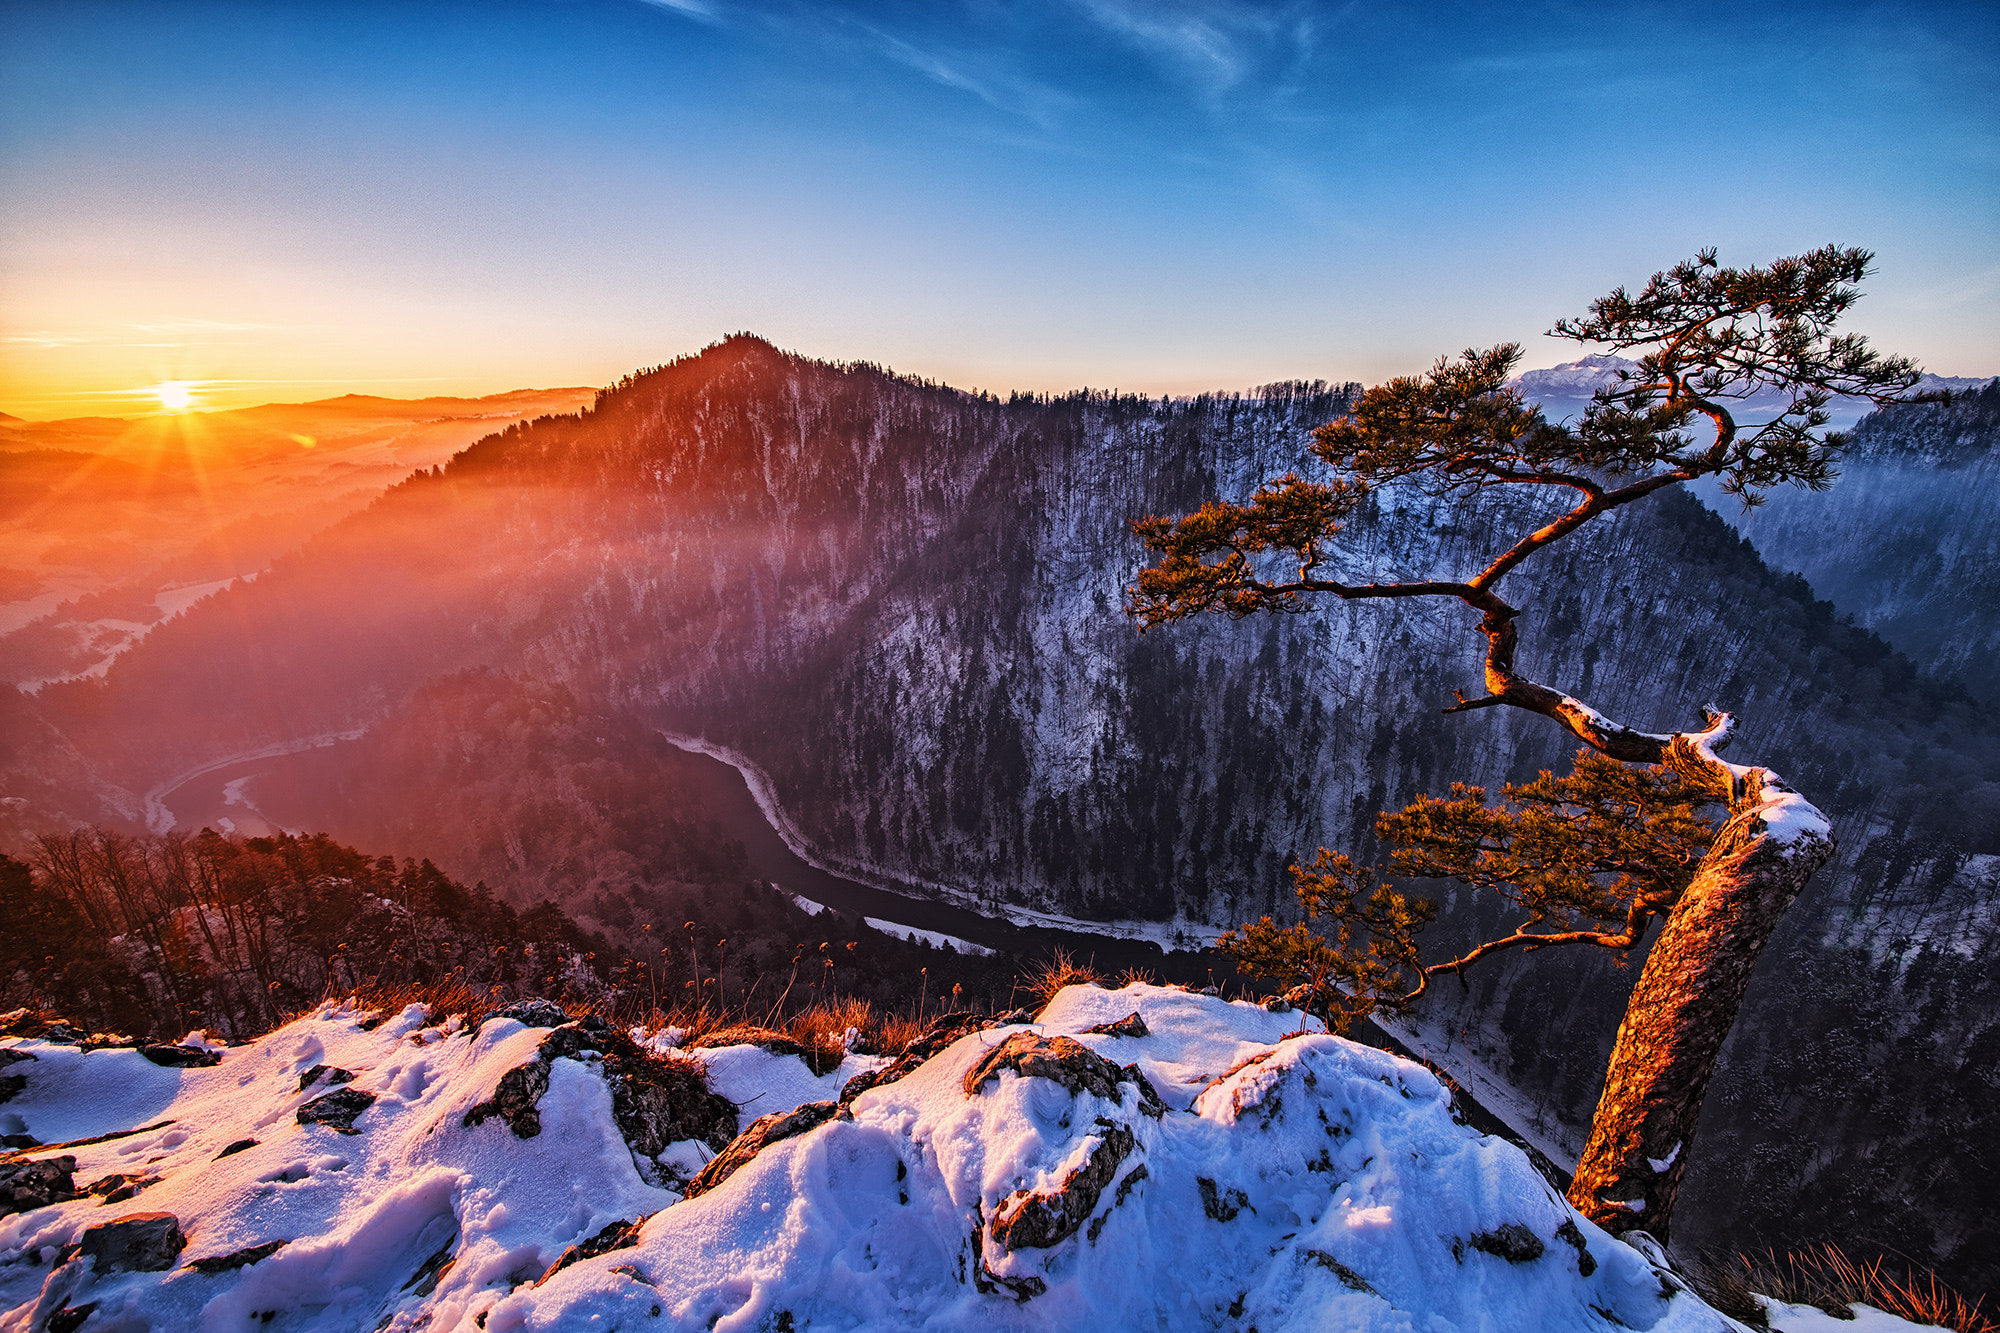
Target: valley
902,604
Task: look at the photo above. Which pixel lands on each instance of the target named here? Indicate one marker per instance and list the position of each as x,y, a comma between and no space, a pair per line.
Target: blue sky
293,200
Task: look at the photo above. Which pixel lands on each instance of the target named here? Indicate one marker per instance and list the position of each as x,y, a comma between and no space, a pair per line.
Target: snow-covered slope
1223,1170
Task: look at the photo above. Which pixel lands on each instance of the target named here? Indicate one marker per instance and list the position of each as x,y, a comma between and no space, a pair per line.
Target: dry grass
441,998
1136,976
1824,1277
1060,969
895,1032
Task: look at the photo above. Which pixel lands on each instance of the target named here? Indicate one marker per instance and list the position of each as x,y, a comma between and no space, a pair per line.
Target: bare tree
1707,338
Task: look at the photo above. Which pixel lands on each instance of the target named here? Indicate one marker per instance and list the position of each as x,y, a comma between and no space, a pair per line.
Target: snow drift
1138,1158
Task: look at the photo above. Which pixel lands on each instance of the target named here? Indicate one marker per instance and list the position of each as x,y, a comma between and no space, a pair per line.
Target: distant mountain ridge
903,602
1565,390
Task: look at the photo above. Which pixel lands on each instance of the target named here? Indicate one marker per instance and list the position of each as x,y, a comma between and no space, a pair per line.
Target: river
223,796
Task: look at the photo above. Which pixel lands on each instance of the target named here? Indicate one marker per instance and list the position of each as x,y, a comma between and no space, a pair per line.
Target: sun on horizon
174,395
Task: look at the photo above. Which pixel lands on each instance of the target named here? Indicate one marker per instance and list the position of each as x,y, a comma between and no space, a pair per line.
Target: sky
274,201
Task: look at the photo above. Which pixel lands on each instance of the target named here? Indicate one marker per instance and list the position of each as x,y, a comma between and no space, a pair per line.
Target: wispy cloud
46,339
1215,47
693,9
986,75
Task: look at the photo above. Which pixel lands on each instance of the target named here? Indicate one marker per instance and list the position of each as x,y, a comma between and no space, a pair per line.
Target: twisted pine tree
1597,857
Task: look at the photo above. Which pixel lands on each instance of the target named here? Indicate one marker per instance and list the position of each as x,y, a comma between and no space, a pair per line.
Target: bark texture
1691,988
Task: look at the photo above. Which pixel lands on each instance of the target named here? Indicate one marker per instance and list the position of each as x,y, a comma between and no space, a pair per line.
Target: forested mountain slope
904,603
1906,541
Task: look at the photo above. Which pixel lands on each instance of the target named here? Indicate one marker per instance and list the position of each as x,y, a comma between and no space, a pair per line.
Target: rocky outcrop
1066,1061
140,1243
1028,1219
763,1132
656,1100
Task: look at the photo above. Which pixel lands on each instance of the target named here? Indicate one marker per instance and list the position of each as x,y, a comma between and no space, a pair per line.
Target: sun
174,395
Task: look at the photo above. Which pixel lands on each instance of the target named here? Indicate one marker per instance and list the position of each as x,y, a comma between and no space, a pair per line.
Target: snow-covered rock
1223,1170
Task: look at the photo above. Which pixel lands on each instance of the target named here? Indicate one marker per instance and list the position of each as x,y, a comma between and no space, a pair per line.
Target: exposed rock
1352,1280
656,1100
181,1057
1150,1101
528,1013
1510,1241
1026,1219
763,1132
337,1109
1569,1233
223,1263
1129,1026
619,1235
29,1185
13,1142
514,1099
943,1031
1022,1289
1278,1004
11,1086
140,1243
432,1270
1221,1205
1063,1060
10,1056
70,1318
1013,1017
120,1187
236,1147
332,1076
62,1034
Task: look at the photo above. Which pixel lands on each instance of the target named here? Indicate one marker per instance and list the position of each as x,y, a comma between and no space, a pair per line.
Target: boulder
333,1077
29,1185
336,1110
139,1243
181,1057
1129,1026
1510,1241
120,1187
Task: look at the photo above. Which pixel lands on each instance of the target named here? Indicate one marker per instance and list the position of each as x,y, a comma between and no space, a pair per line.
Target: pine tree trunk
1690,990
